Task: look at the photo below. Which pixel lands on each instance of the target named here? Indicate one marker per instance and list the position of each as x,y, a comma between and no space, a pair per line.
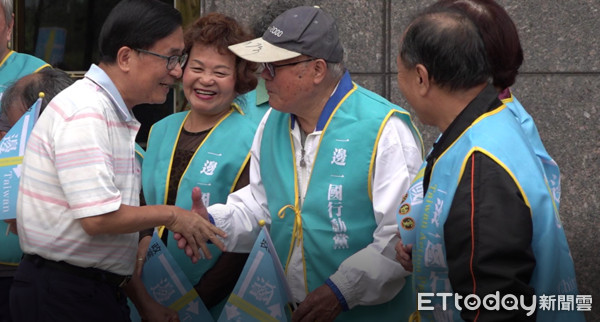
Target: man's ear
423,83
125,58
320,69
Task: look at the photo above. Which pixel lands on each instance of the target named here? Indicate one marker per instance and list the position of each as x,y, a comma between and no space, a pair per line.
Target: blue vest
14,66
215,168
551,169
499,136
256,102
336,219
139,154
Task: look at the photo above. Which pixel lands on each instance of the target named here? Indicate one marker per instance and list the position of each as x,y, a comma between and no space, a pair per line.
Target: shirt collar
100,78
340,91
487,100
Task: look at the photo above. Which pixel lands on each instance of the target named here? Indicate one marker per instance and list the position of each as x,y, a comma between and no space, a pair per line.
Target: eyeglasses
172,61
271,67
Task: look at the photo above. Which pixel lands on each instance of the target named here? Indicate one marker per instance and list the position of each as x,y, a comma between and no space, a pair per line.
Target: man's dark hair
499,34
50,81
136,24
448,44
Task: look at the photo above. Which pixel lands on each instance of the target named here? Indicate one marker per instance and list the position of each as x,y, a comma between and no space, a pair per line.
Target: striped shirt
80,162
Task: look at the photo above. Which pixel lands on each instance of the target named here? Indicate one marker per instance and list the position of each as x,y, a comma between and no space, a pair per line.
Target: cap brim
260,51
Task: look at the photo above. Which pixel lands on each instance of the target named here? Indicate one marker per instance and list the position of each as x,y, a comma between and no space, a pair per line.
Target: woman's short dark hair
136,24
220,31
448,44
499,35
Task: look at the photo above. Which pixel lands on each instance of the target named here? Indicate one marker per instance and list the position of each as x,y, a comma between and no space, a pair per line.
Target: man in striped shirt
78,211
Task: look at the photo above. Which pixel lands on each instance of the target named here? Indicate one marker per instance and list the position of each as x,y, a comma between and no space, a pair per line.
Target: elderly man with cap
328,163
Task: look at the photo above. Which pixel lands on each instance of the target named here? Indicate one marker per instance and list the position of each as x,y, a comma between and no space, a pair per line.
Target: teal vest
256,102
215,168
14,66
497,135
336,219
10,252
551,169
139,154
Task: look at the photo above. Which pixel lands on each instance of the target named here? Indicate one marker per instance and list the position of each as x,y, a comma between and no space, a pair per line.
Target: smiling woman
207,145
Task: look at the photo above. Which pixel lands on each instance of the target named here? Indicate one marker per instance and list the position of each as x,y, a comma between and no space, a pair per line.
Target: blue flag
12,149
168,285
261,293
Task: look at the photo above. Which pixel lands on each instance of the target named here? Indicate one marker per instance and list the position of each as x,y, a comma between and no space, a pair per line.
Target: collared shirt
397,161
80,162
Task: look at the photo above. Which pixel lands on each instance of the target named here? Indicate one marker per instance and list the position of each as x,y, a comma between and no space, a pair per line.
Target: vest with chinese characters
215,168
551,169
499,136
336,219
14,66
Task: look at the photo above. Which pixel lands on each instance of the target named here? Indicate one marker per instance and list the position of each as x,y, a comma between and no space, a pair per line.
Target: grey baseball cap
299,31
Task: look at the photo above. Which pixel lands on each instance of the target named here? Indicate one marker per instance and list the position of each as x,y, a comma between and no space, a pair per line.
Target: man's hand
192,229
154,312
320,305
197,204
404,255
148,308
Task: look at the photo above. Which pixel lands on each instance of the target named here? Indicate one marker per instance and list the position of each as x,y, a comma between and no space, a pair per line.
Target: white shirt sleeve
372,275
240,216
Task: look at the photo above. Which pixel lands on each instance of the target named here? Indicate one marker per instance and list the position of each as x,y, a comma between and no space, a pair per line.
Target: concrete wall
559,85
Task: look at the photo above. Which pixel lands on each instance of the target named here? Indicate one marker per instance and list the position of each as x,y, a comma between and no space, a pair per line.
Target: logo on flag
261,293
169,286
12,149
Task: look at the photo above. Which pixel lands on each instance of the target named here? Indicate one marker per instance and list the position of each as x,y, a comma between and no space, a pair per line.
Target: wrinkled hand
141,254
197,204
404,254
12,225
154,312
148,308
320,305
192,229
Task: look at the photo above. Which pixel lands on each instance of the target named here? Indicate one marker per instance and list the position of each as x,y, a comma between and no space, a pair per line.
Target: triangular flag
262,292
12,149
168,285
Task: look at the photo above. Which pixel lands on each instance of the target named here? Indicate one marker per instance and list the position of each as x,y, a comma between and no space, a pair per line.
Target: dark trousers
42,293
5,283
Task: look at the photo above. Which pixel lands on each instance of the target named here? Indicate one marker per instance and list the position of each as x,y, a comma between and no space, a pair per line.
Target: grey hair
336,70
7,7
26,90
